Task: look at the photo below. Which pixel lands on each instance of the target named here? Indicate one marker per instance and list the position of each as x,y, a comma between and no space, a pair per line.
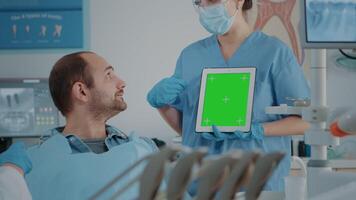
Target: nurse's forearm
292,125
12,184
18,169
172,117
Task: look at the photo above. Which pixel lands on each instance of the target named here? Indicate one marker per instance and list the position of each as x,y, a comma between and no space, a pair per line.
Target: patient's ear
80,92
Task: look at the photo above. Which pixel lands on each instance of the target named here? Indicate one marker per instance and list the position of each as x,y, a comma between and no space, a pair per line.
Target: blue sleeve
178,73
289,79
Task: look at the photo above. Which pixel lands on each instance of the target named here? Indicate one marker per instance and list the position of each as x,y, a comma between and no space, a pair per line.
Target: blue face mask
216,19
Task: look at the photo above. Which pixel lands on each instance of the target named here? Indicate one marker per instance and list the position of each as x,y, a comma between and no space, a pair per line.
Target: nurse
233,43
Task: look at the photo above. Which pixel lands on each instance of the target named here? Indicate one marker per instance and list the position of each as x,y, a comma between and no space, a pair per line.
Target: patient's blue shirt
114,137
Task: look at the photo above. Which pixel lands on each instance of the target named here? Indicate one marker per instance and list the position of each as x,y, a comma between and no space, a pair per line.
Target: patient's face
107,93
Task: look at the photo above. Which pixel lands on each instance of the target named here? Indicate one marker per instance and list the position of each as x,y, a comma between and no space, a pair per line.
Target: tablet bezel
206,71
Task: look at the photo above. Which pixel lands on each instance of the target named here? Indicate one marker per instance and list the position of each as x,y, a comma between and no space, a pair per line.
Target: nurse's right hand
256,133
166,92
17,156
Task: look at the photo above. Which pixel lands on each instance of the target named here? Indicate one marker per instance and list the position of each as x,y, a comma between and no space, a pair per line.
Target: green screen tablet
226,99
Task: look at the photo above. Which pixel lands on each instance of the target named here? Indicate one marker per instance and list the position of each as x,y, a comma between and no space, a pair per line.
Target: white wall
341,82
141,39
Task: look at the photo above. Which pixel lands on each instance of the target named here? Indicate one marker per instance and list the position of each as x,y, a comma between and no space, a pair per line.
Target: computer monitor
26,108
328,24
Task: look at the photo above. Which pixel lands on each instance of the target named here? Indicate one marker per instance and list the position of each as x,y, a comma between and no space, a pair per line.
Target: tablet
226,99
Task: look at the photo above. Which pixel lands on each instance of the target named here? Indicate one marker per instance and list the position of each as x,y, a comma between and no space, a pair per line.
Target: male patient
81,157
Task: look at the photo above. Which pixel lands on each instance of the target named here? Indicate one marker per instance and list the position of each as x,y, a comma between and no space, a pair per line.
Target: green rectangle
226,99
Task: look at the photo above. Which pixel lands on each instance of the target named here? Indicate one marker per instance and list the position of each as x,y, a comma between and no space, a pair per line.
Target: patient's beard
103,106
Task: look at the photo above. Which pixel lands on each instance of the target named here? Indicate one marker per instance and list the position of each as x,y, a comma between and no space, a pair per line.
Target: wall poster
36,24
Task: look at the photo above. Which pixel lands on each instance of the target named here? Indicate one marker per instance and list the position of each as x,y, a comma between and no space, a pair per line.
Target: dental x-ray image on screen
16,109
331,21
26,108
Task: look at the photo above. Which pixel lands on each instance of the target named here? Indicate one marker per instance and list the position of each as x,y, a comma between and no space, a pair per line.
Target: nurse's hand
256,132
17,155
165,92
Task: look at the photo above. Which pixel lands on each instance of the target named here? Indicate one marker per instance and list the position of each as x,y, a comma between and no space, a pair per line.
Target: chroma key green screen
226,99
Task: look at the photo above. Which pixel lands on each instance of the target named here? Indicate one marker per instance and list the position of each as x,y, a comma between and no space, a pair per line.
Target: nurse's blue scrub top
278,76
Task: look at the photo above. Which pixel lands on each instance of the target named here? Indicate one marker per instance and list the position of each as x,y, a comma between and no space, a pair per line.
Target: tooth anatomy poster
279,18
42,24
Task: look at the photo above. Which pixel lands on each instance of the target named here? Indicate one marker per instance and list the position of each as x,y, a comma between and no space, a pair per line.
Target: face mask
216,19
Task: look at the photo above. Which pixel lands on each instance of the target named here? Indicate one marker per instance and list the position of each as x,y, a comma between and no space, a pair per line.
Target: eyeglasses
206,3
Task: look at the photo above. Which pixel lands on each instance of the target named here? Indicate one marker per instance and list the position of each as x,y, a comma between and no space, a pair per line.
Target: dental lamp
240,173
212,175
264,167
182,173
153,170
345,125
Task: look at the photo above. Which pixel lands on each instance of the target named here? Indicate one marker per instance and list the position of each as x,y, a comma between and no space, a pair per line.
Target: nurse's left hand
256,132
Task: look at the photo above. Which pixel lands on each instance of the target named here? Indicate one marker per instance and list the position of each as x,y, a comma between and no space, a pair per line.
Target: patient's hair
66,71
247,5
